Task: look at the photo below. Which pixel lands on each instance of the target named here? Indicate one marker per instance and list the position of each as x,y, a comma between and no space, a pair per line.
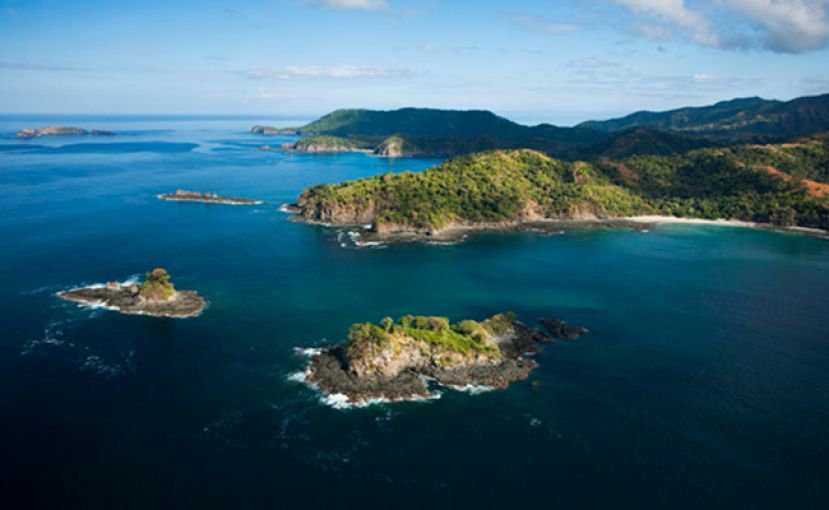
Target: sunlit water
704,382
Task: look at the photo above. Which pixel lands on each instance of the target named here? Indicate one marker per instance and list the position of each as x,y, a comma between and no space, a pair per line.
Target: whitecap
52,337
472,389
96,364
300,377
308,352
370,244
341,401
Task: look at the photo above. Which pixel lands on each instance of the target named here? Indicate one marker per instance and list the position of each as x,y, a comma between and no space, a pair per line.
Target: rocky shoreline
391,233
208,198
155,297
335,372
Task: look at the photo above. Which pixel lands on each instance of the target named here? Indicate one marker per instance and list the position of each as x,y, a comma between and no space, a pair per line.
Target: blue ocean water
704,382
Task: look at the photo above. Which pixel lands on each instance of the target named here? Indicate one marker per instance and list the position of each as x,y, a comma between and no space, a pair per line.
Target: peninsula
783,185
394,361
156,296
208,198
60,131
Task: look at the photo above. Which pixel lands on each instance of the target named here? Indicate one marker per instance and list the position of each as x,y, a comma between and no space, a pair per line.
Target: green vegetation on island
325,144
435,337
489,187
784,184
156,286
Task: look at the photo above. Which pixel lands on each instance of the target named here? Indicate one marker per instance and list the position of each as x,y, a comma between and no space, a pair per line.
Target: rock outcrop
395,361
391,147
60,130
560,329
209,198
156,296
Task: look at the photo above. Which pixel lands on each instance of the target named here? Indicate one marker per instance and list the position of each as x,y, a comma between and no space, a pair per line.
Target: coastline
457,232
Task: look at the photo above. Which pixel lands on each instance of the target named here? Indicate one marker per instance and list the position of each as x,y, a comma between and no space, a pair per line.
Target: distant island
270,131
785,185
393,360
208,198
446,133
60,131
156,296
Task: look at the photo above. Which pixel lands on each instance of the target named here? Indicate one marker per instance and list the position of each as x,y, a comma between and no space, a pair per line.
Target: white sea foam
472,389
52,337
340,401
308,352
371,244
96,364
129,281
299,377
285,208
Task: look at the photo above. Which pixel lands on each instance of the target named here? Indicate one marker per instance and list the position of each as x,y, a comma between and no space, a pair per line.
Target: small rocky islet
396,360
61,131
155,296
209,198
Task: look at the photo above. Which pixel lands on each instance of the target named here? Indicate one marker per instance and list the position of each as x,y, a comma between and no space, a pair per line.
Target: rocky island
396,361
208,198
156,296
59,131
272,131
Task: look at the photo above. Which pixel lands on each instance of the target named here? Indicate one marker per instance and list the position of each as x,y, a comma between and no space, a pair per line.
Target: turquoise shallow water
703,384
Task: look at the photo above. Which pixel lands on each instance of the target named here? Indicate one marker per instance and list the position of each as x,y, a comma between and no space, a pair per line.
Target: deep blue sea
704,382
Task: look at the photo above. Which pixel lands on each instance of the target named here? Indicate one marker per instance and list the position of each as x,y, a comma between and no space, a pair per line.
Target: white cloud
355,5
674,11
429,48
539,24
789,25
334,72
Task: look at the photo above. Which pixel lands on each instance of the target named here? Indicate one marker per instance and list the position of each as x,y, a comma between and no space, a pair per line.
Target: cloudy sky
557,61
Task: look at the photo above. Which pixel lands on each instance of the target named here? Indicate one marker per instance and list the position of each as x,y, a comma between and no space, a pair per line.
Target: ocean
704,382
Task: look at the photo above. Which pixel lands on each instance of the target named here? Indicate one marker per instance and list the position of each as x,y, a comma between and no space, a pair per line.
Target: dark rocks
126,299
329,371
560,329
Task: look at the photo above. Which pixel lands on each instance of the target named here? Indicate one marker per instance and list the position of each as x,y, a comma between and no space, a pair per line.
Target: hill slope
735,118
785,184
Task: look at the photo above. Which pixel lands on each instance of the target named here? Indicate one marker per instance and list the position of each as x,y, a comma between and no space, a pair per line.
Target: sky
532,60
